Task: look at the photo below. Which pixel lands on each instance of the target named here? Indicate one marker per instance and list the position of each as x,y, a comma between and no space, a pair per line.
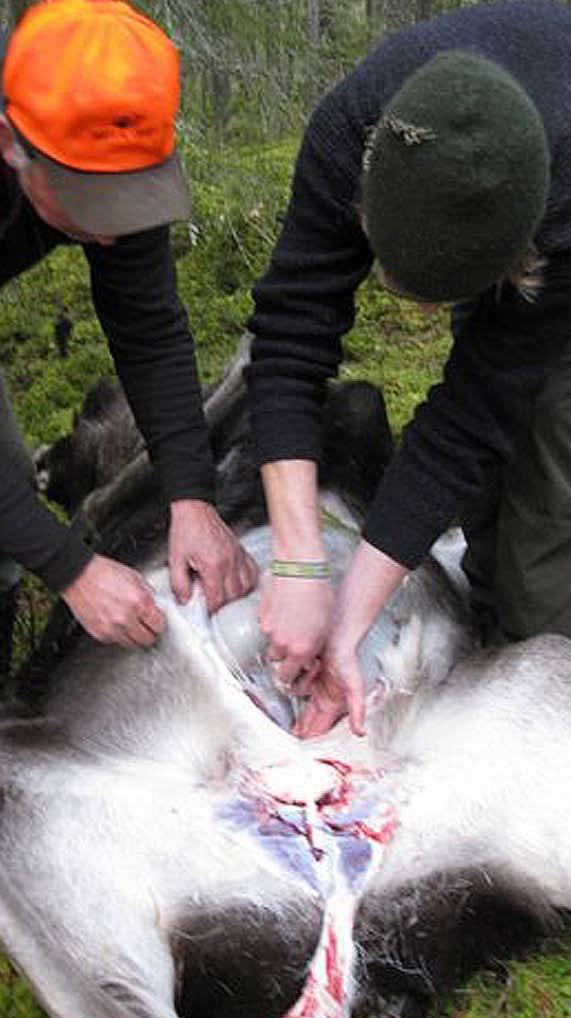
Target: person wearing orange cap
87,154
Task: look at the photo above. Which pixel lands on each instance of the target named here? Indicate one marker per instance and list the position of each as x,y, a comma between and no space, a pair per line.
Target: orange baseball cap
93,87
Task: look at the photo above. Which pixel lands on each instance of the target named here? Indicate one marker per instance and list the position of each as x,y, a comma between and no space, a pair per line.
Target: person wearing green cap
445,156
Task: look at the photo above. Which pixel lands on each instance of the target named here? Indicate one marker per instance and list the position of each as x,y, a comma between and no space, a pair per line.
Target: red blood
332,966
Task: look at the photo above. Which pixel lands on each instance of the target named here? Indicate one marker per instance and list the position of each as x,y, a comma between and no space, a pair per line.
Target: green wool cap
457,178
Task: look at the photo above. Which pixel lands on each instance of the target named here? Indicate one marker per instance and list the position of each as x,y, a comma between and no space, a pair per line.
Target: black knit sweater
134,293
504,346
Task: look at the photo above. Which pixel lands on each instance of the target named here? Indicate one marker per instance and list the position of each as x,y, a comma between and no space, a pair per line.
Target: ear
6,134
11,151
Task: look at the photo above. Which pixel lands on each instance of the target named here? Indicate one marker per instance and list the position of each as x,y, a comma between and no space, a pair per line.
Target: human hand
114,604
200,542
294,616
337,689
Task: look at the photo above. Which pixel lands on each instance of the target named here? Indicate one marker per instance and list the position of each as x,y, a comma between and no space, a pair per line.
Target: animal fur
135,880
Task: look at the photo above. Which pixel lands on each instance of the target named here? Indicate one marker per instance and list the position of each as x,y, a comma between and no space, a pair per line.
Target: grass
16,1001
237,199
539,987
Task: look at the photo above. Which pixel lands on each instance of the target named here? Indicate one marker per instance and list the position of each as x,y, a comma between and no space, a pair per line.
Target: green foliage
16,1000
397,345
534,988
237,198
252,69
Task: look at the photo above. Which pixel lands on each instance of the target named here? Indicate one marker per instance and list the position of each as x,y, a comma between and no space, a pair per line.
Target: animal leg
422,938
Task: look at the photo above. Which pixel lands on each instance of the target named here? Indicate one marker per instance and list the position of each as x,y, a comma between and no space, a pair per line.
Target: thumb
181,583
356,706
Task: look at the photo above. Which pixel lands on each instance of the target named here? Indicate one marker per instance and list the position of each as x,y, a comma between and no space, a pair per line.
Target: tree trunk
398,14
390,15
17,8
423,10
374,15
222,95
313,24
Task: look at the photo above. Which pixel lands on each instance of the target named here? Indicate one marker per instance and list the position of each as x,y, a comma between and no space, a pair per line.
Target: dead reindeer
169,850
104,438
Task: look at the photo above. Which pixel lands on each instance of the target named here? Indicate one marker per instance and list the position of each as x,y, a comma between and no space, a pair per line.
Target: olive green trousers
519,544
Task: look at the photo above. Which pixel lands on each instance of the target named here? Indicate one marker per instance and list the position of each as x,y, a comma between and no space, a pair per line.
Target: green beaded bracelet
301,570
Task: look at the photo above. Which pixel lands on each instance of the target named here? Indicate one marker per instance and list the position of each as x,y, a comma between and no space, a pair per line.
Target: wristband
301,570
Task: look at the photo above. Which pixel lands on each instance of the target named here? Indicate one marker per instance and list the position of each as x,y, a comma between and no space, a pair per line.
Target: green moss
398,346
16,1000
539,987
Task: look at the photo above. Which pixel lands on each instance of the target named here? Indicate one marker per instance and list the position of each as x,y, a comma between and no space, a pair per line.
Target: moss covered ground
238,200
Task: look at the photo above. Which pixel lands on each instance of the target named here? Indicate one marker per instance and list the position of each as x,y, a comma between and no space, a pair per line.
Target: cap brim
114,204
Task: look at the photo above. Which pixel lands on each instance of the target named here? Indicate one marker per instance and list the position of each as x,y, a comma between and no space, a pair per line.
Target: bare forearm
339,688
294,610
366,587
291,495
